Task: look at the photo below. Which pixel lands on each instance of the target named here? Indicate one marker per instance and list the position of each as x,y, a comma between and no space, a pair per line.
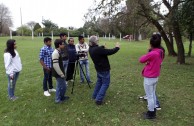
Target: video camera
81,54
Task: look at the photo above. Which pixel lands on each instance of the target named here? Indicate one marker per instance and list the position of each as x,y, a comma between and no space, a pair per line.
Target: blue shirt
46,55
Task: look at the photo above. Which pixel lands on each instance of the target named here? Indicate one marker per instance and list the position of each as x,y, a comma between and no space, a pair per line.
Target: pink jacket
153,62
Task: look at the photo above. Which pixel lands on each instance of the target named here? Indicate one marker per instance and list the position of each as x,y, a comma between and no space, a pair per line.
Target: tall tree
37,26
152,11
26,30
31,25
173,17
49,26
5,19
154,16
187,20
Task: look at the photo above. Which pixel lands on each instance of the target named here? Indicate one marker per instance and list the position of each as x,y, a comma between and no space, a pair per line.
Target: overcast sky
65,13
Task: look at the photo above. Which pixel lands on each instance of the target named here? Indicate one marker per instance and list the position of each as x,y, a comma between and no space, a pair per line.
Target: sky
64,13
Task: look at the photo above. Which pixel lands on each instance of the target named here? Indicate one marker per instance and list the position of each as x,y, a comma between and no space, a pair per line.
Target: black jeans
70,71
47,78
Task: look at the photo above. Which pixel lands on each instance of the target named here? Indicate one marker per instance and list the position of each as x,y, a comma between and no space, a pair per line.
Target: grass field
122,108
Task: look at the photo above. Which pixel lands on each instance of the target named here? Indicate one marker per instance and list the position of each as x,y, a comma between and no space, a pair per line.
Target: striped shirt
46,55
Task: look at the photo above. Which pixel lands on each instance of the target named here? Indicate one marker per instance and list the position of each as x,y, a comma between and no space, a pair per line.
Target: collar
48,47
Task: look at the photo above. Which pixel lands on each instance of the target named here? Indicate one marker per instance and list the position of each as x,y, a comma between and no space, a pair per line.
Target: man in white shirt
82,50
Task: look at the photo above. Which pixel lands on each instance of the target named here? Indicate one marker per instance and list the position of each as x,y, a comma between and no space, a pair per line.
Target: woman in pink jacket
153,60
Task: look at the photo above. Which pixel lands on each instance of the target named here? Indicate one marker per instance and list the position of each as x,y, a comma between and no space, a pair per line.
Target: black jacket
99,56
72,53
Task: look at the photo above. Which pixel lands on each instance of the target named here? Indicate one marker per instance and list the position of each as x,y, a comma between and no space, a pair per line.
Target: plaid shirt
46,55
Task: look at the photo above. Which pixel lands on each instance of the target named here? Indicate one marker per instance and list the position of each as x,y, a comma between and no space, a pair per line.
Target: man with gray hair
99,55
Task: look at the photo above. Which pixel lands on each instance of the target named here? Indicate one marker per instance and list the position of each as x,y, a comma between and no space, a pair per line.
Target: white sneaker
52,90
46,93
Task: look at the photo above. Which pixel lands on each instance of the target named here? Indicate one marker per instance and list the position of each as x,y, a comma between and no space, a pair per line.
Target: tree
26,30
31,25
5,19
151,10
187,21
147,11
37,26
39,31
49,26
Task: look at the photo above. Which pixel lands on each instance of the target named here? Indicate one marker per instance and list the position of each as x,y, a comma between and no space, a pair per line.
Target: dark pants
47,78
70,71
102,84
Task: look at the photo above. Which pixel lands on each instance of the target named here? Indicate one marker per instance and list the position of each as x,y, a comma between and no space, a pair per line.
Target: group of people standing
60,63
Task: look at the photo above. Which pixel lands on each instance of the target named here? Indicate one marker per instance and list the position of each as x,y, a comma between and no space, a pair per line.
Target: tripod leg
84,74
76,64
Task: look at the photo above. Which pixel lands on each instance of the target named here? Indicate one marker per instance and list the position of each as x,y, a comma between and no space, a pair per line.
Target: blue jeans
65,65
157,101
60,89
86,64
150,90
11,86
47,78
102,84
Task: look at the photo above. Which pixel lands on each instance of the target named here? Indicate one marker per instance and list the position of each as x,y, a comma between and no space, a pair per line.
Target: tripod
76,68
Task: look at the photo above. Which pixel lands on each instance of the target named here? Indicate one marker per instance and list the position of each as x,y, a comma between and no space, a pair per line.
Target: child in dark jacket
72,59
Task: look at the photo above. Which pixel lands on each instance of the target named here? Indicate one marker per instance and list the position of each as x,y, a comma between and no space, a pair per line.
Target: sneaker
66,83
71,80
143,97
158,108
99,102
46,93
90,82
65,98
81,82
62,100
52,90
149,115
13,98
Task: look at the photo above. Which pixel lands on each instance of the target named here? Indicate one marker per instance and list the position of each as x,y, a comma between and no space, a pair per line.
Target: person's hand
11,77
47,69
105,45
63,76
117,45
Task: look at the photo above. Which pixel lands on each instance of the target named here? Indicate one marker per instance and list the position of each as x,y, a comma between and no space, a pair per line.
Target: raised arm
104,51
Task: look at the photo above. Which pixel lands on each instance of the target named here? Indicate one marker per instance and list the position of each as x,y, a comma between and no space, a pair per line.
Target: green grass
122,108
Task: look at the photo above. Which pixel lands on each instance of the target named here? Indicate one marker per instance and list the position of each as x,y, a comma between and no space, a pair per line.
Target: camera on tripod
81,54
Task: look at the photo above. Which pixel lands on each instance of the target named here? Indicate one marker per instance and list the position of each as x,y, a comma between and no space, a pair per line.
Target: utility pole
21,20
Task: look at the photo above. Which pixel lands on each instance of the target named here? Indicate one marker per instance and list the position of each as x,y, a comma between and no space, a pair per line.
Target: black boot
150,115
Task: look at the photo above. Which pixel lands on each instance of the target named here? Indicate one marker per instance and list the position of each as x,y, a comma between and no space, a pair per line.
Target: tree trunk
179,42
190,44
169,45
136,35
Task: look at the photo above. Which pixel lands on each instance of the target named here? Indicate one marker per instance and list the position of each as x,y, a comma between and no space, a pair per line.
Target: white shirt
82,49
12,65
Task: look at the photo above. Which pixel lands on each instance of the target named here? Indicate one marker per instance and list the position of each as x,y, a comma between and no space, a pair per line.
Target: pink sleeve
145,58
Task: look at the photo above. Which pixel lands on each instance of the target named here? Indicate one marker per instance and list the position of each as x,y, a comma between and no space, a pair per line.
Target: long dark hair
155,41
10,47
